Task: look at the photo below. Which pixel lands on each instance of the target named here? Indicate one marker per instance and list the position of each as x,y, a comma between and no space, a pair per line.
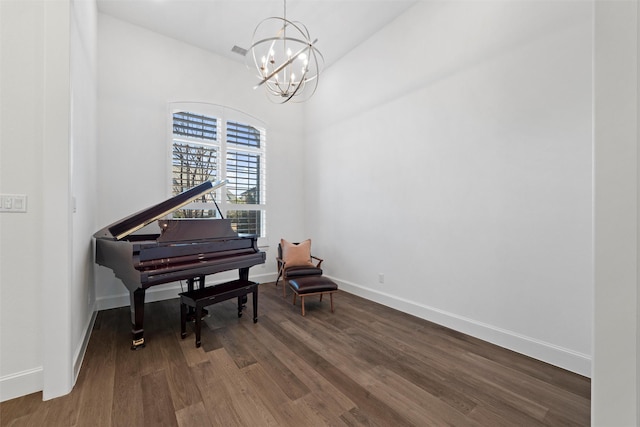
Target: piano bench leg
183,320
198,324
201,298
255,304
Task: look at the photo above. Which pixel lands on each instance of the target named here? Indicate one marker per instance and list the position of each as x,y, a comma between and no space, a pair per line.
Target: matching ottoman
312,285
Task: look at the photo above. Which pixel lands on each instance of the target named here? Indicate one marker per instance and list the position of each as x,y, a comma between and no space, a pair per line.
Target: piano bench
203,297
310,286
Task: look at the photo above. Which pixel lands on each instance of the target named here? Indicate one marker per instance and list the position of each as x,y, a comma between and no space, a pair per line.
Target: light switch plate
13,202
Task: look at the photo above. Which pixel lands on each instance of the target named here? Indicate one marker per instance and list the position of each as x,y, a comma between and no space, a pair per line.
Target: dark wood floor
366,364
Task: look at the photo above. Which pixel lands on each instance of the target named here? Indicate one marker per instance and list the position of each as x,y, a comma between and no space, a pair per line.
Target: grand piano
185,249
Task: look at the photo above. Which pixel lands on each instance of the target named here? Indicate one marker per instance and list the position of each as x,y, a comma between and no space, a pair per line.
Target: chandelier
286,59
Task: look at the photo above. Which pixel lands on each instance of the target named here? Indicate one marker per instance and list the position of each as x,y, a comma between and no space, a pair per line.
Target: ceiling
219,25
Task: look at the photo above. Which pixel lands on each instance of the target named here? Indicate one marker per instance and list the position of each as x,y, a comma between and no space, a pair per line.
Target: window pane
246,222
196,213
240,133
235,152
192,165
195,126
243,176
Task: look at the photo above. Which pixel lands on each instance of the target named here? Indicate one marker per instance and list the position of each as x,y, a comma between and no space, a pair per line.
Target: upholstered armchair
295,261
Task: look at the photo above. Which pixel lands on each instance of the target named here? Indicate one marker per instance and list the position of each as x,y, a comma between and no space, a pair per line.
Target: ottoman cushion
312,284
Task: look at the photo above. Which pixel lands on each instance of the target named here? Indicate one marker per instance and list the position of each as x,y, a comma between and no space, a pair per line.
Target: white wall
22,70
471,81
615,379
464,132
140,72
48,153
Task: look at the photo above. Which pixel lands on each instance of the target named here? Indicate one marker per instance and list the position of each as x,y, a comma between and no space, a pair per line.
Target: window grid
193,164
243,134
202,150
243,175
195,125
247,222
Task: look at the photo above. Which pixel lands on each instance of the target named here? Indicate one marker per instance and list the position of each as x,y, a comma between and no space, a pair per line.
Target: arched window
210,142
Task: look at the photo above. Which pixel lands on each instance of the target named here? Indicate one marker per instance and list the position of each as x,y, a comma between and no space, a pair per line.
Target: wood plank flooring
364,365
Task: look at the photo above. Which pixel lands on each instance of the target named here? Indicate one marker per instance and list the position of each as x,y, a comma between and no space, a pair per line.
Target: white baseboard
555,355
82,348
21,383
31,381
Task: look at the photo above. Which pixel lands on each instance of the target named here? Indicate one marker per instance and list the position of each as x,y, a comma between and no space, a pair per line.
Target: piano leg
242,300
244,273
137,318
192,281
191,312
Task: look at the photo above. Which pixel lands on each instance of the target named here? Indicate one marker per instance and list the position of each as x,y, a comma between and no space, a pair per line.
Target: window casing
218,143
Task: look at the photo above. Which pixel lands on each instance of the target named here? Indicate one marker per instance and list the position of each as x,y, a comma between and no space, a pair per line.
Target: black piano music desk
203,297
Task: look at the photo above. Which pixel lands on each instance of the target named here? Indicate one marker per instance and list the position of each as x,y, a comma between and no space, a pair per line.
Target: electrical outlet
381,277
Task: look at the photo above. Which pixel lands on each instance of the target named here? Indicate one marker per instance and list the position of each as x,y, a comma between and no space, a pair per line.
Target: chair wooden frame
282,270
302,297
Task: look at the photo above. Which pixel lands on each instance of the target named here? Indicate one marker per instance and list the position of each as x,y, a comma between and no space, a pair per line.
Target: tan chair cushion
296,255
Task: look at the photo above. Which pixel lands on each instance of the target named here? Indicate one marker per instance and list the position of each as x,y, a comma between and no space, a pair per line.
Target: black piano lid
122,228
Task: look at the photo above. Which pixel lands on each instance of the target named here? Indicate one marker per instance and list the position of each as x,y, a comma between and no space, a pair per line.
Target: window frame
223,115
